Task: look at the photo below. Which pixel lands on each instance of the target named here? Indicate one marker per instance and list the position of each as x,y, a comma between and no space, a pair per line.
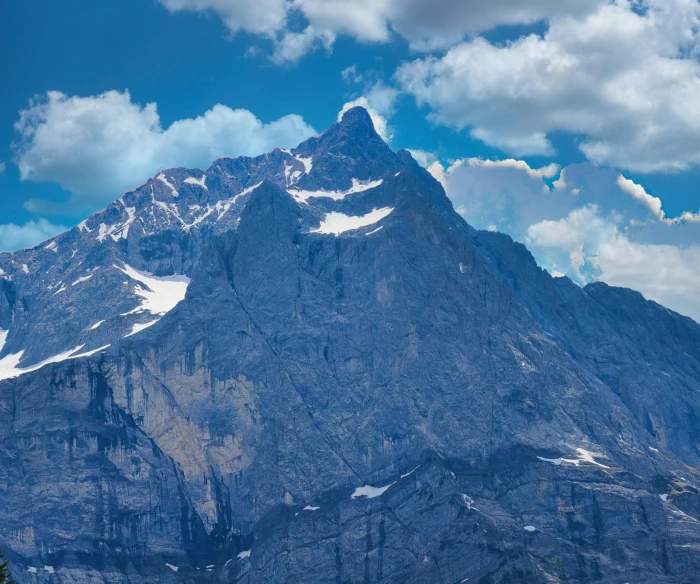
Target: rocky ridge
339,381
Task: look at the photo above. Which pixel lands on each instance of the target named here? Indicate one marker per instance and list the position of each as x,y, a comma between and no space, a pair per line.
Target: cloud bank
98,146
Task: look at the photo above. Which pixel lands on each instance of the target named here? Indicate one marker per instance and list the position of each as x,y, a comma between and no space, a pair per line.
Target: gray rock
408,401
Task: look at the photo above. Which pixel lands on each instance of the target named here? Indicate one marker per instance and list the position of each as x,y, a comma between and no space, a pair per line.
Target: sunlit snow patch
160,294
245,554
9,365
357,187
138,327
82,279
337,223
173,568
370,492
409,473
173,191
530,528
310,508
190,180
583,456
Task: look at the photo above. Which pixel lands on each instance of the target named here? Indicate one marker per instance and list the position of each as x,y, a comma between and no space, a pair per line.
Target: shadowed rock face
356,387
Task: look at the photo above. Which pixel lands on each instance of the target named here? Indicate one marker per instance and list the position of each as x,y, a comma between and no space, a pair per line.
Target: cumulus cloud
430,162
623,76
425,25
595,248
653,203
264,17
14,237
292,46
98,146
379,101
547,171
590,226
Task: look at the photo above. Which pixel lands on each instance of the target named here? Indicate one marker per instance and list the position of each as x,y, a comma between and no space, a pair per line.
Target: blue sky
495,98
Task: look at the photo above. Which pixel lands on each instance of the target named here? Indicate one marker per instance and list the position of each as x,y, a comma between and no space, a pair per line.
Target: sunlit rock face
306,367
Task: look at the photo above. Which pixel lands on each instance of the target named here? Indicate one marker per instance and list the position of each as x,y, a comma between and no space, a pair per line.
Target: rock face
340,382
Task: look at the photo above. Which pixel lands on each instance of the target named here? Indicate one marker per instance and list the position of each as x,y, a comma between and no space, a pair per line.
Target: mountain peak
358,119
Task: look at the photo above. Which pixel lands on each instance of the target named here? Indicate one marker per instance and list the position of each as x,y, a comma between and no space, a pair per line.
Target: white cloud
637,191
98,146
14,237
2,167
653,203
426,25
350,74
431,163
264,17
594,233
579,236
379,102
292,46
623,76
596,249
548,171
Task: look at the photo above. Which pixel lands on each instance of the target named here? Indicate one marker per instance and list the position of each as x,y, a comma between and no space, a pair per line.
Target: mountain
306,367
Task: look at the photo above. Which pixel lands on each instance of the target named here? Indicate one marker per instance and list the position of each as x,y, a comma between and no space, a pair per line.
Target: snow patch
173,191
82,226
223,206
49,569
3,338
409,473
307,162
245,554
31,570
190,180
82,279
160,294
310,508
52,246
25,268
96,325
138,327
337,223
469,502
9,365
357,187
375,230
530,528
118,230
653,449
173,568
370,492
664,497
583,456
61,289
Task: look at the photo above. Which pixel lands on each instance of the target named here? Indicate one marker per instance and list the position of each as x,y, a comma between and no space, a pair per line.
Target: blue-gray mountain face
307,368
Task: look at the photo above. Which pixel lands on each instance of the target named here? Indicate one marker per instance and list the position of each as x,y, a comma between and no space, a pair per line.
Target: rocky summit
306,367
